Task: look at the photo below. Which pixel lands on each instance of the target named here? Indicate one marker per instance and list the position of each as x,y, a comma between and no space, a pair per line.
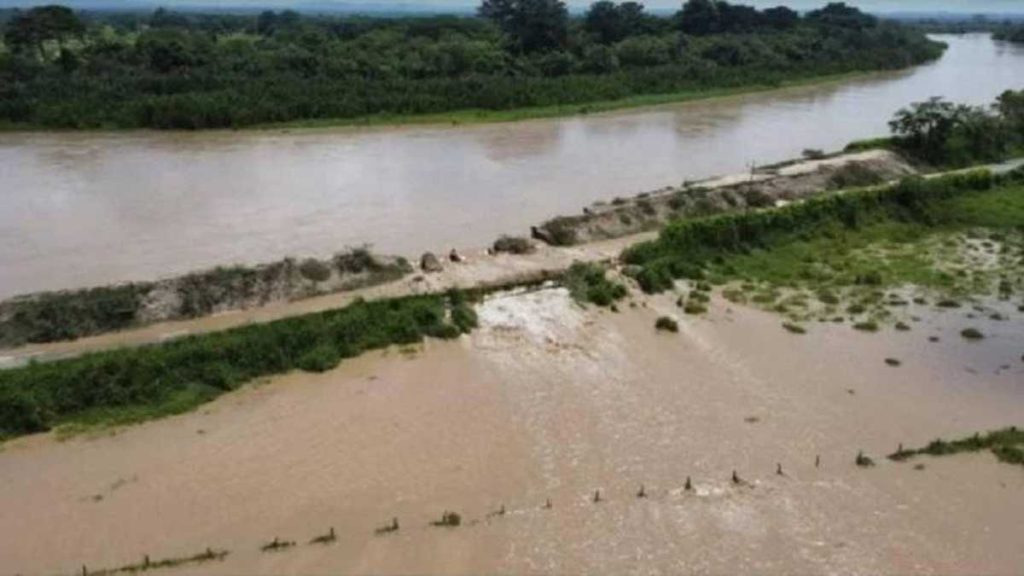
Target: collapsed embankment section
67,315
762,188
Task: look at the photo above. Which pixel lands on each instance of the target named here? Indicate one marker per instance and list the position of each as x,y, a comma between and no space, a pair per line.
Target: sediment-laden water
548,401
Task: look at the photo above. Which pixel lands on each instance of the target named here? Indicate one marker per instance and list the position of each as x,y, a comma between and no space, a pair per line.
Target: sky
878,6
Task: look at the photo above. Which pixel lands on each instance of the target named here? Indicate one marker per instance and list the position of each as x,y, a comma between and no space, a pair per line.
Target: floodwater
95,208
547,401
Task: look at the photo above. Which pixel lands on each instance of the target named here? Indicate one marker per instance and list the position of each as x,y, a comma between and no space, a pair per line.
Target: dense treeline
171,70
133,384
948,135
685,247
1011,34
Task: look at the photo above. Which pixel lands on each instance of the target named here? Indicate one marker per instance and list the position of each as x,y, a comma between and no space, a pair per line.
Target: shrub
853,175
315,270
587,283
972,334
866,326
695,308
864,461
666,324
514,245
320,359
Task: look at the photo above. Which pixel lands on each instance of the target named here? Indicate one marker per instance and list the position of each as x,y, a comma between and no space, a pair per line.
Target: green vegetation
1007,445
957,235
943,134
129,385
666,324
59,69
588,283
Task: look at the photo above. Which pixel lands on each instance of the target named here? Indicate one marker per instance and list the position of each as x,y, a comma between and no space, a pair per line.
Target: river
80,209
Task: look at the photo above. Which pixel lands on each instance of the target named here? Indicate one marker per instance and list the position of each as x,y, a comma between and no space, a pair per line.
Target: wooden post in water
689,485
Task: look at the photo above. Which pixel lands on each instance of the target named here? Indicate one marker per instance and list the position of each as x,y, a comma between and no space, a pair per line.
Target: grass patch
853,250
130,385
1006,444
588,282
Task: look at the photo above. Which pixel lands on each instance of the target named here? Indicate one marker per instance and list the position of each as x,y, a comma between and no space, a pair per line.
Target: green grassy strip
686,248
1007,445
129,385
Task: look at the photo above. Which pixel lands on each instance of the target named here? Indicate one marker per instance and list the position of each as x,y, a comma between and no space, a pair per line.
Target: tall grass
126,385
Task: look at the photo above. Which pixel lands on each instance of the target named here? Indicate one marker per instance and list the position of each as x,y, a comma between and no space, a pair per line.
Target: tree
781,17
840,15
531,25
925,127
701,17
609,22
604,21
45,23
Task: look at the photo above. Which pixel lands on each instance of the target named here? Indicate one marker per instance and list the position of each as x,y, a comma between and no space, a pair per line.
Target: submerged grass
208,555
130,385
1006,444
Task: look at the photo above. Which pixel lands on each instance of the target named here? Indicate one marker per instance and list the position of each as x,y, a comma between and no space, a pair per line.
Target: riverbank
471,117
478,116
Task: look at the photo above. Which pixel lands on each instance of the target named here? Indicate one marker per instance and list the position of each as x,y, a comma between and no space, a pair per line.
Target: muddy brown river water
550,401
89,209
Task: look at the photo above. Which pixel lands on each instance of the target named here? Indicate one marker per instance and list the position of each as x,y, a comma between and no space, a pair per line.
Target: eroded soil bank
550,401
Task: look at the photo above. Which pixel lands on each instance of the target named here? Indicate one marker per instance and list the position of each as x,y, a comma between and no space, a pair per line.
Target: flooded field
95,208
551,402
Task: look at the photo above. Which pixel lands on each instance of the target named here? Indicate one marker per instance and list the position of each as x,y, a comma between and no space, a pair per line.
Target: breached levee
67,315
763,187
51,317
